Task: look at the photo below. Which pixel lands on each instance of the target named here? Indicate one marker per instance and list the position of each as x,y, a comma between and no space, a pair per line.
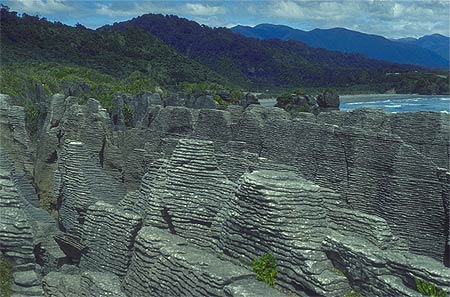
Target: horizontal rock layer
166,265
108,236
16,235
282,213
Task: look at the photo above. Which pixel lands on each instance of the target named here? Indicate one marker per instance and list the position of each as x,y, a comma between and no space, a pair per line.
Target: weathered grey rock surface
175,201
166,265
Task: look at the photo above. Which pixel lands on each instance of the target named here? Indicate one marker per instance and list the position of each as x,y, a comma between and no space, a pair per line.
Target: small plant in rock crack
429,289
265,268
6,277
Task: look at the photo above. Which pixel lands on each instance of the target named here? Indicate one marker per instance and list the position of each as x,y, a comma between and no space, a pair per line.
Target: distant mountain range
250,62
428,51
168,51
437,43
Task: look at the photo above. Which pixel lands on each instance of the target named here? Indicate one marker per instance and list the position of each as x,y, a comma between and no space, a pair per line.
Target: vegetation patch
352,293
128,114
265,268
6,277
429,289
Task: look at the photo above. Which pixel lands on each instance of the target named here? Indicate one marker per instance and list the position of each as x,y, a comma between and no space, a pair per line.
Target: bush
6,277
127,114
428,289
265,268
352,293
304,108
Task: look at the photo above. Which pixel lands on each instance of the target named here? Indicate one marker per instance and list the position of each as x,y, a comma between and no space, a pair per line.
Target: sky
389,18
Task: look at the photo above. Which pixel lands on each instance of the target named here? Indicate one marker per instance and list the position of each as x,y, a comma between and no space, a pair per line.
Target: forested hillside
263,62
167,51
28,39
344,40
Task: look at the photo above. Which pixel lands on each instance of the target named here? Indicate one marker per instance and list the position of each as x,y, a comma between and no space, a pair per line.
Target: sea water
431,103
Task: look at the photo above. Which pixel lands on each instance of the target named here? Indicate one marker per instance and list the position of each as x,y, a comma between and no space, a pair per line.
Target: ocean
425,103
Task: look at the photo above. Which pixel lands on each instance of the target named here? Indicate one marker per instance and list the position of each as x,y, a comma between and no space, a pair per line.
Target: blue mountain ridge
428,51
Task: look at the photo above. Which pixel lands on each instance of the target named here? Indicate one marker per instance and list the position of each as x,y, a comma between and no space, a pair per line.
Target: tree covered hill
262,62
29,39
166,51
344,40
437,43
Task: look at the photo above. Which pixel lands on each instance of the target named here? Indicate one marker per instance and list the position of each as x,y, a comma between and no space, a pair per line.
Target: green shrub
300,91
6,277
428,289
352,293
338,271
265,268
31,118
304,108
127,114
236,95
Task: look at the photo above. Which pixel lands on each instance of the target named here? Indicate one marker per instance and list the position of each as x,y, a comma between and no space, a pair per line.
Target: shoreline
381,97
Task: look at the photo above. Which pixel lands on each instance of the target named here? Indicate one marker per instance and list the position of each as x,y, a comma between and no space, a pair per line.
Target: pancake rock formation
182,197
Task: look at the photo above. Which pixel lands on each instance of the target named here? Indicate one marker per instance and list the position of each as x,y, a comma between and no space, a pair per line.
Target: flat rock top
279,179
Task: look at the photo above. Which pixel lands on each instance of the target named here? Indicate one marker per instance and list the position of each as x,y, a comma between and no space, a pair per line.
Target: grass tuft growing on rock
265,268
429,289
6,277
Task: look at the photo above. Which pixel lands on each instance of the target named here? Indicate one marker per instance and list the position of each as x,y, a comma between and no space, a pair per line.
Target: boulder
204,102
225,95
328,99
248,99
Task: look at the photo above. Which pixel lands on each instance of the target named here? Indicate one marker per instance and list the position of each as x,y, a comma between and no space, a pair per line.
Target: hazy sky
390,18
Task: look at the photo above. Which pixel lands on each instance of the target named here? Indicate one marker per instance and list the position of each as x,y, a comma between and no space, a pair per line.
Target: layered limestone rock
68,119
184,193
83,183
166,265
383,272
234,159
108,235
14,136
376,173
146,202
426,131
16,236
194,190
213,125
281,213
74,283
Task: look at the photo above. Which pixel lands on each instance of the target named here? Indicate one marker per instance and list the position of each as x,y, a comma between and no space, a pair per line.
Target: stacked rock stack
108,235
76,196
281,213
194,190
167,265
16,237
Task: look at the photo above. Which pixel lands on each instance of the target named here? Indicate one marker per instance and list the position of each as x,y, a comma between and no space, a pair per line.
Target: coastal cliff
178,202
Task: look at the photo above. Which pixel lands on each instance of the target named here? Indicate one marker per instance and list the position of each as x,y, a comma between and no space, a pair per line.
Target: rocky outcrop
166,265
296,103
427,132
184,193
108,235
328,100
14,136
248,99
284,214
16,236
377,272
76,283
345,201
83,183
344,158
